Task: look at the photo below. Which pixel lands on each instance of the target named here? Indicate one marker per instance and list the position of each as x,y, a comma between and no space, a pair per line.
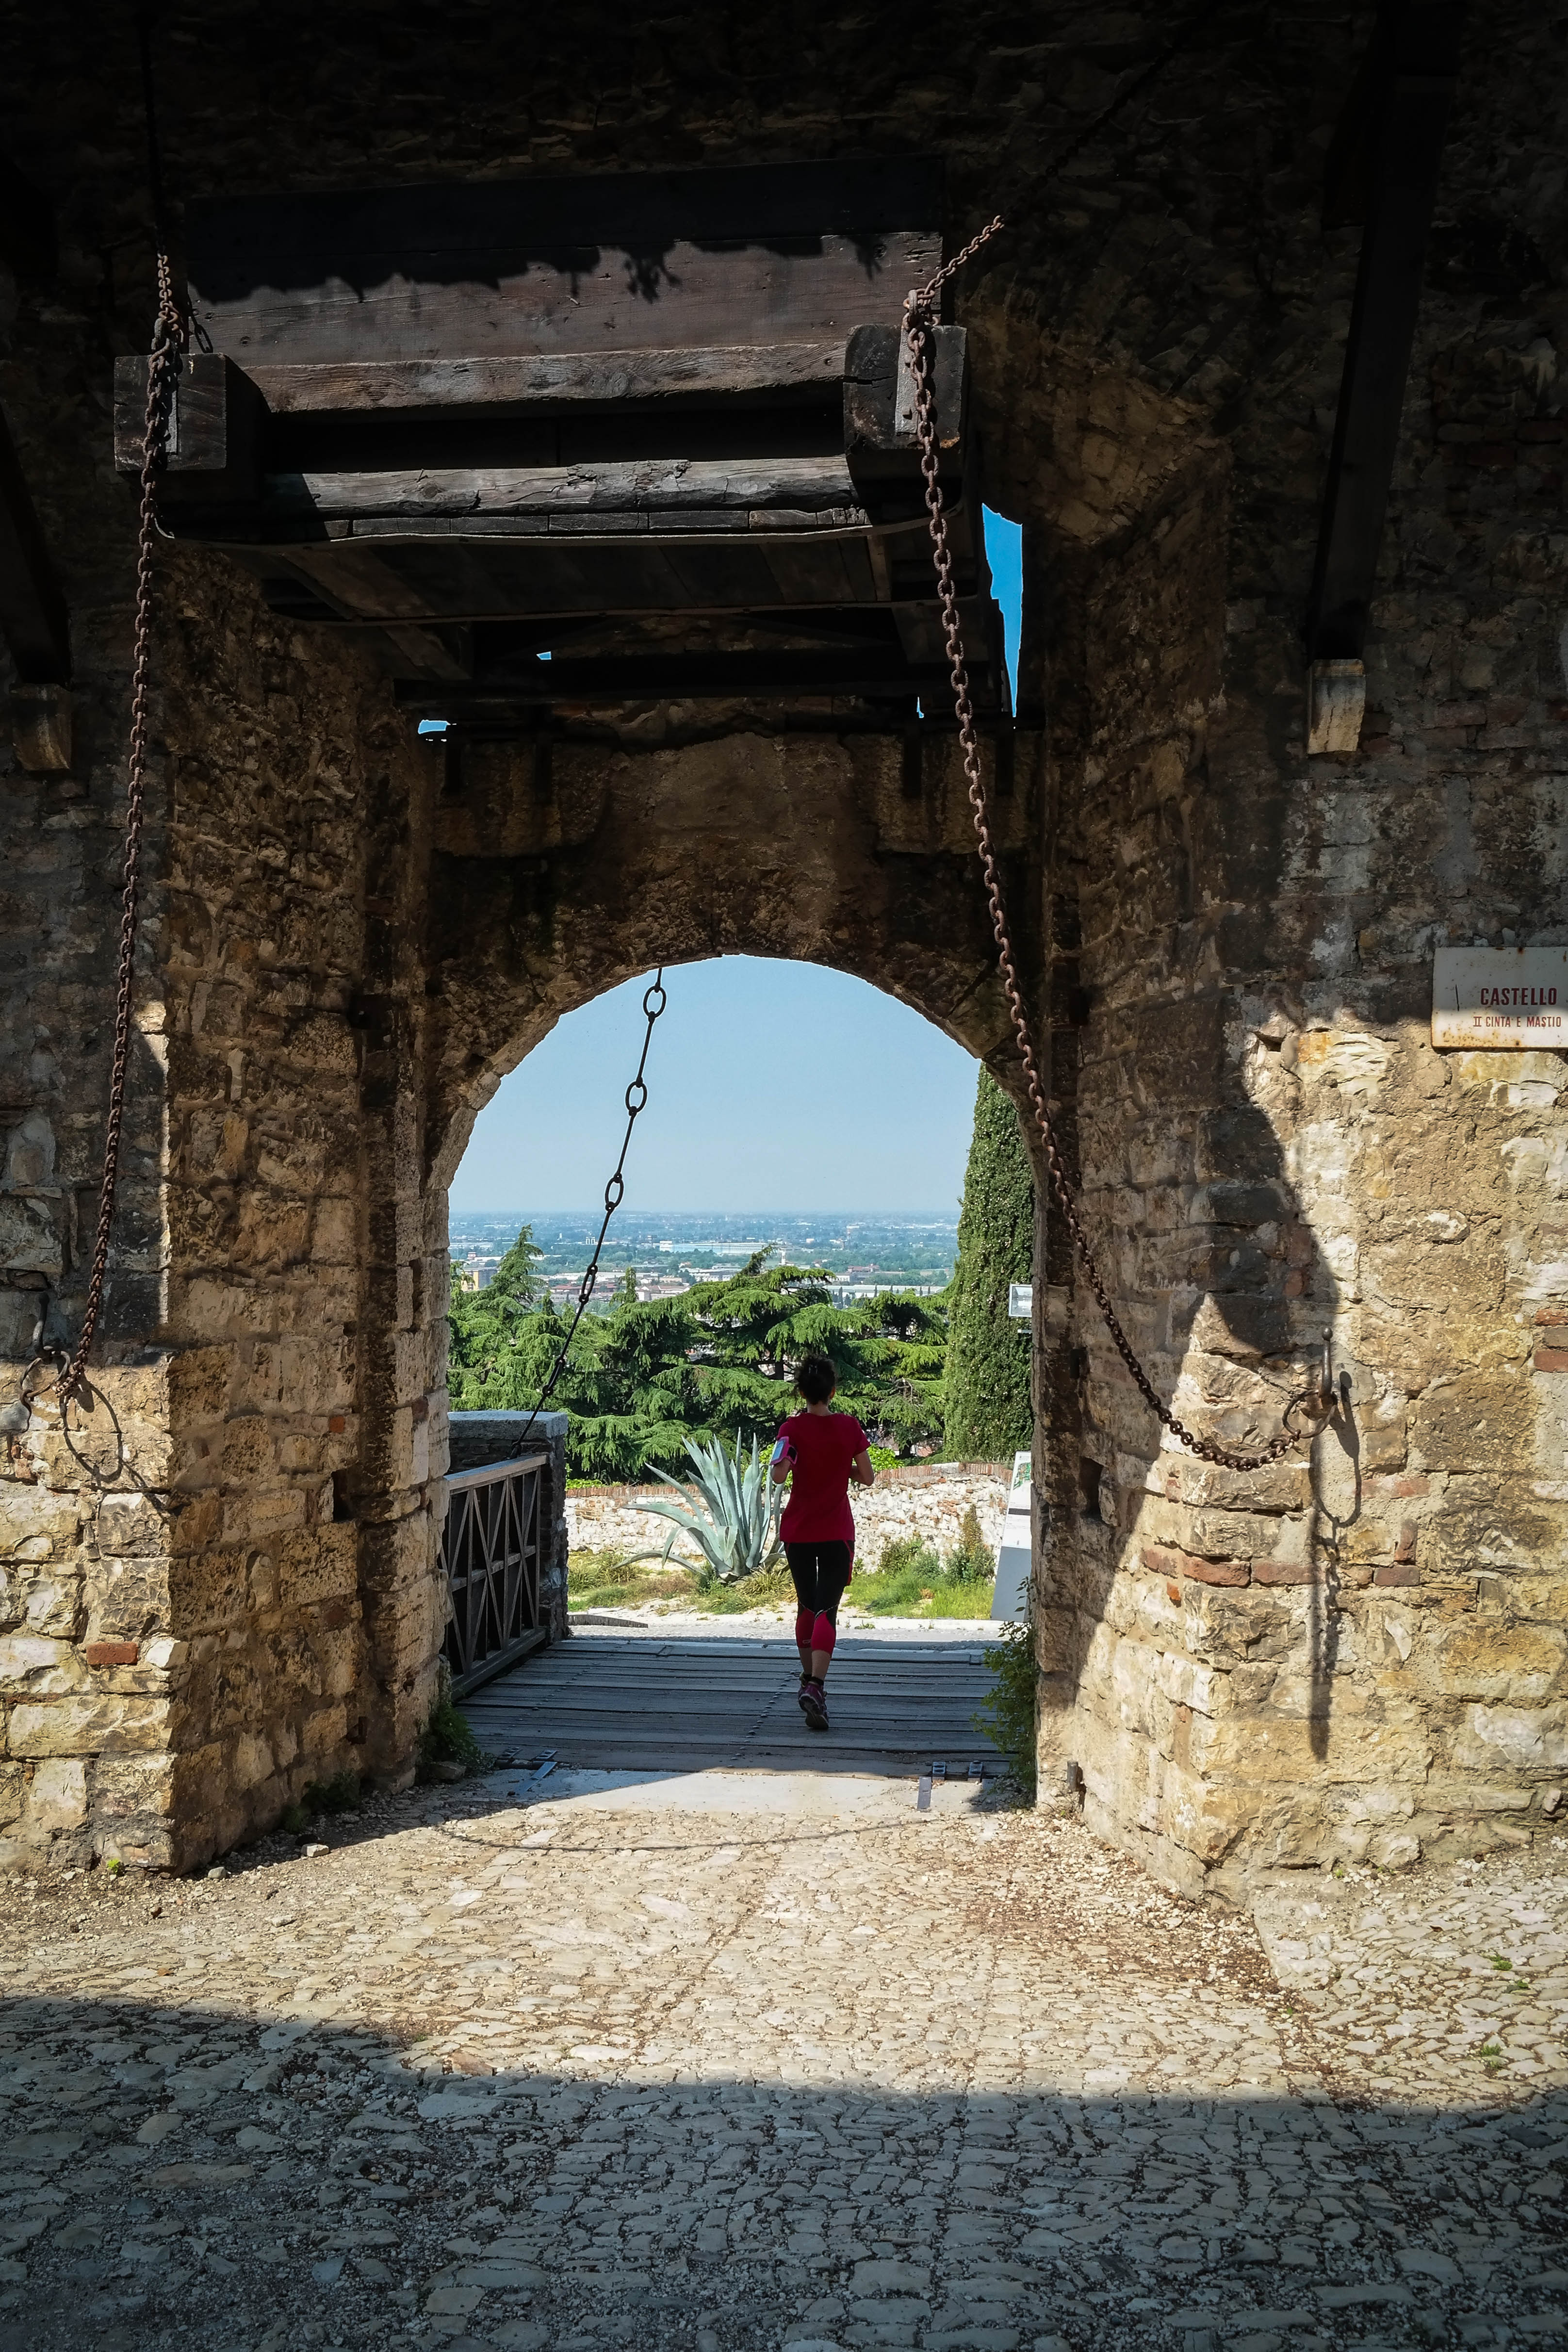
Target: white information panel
1499,998
1010,1600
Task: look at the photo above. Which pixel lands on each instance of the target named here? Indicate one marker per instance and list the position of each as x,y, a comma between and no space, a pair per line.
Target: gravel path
725,2061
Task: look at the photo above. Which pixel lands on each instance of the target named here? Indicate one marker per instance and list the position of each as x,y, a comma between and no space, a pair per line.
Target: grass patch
607,1579
764,1588
912,1579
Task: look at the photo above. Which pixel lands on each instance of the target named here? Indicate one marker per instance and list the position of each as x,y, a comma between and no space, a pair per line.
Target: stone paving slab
725,2061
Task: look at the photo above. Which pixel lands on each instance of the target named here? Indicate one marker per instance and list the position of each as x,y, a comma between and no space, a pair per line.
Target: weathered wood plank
1419,62
569,378
794,253
214,422
878,427
669,485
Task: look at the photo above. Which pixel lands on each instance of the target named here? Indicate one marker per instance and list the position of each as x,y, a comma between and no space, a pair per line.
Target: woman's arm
860,1469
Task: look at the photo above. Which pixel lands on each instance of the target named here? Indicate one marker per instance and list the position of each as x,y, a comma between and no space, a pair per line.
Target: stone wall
221,1583
1360,1653
924,1500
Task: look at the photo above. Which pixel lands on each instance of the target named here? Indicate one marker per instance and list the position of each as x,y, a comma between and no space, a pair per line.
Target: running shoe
814,1706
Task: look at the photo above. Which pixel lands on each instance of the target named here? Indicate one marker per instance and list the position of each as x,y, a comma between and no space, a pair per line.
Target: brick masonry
1229,945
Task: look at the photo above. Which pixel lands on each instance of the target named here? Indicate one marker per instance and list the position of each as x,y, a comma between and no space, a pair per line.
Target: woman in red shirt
823,1450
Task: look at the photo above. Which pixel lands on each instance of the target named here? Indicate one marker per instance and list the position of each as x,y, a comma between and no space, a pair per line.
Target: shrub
986,1388
971,1562
338,1795
910,1580
735,1524
1007,1714
446,1738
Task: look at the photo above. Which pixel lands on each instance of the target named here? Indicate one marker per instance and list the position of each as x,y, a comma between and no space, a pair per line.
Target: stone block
129,1526
1242,1325
1496,1659
1269,1749
1473,1421
89,1725
1166,1559
29,1236
200,1380
41,1599
38,1664
36,1522
318,1565
1512,1738
56,1794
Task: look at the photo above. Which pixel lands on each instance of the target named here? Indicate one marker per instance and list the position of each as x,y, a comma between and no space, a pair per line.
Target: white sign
1499,998
1010,1596
1020,1301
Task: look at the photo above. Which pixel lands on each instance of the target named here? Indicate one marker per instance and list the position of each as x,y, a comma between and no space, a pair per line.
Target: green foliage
608,1579
764,1588
971,1562
446,1738
485,1324
296,1820
1007,1714
338,1795
987,1392
912,1579
735,1523
717,1362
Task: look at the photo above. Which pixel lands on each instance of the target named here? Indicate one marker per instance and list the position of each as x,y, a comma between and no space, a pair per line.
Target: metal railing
494,1547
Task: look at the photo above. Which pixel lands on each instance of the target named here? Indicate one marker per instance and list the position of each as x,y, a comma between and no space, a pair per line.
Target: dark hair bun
815,1379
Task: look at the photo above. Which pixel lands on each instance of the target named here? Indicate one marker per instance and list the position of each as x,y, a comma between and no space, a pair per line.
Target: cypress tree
986,1387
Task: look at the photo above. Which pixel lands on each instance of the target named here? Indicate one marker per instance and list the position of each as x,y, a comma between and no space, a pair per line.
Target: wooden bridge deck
622,1701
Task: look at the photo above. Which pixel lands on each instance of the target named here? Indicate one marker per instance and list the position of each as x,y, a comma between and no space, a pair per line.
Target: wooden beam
1418,43
645,491
33,618
542,379
504,268
214,422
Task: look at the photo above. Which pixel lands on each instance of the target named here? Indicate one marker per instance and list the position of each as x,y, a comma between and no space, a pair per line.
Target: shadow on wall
334,2166
1192,1635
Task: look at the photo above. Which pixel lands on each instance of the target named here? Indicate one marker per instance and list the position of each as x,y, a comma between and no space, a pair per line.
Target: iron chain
169,337
614,1192
920,318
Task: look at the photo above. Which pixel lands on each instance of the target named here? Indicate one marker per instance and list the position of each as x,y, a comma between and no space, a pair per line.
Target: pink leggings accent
814,1632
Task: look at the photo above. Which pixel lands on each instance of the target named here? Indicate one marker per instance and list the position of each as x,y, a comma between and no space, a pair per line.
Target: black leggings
821,1571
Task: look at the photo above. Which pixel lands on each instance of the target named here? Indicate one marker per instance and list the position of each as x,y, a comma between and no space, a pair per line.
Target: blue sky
877,1117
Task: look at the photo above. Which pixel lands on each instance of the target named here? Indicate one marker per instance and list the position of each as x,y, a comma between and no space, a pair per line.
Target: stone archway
229,1590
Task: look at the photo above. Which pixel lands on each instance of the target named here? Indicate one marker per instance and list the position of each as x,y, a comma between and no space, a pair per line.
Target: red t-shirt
824,1444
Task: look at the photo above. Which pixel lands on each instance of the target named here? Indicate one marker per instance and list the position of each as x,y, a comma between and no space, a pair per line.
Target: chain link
169,337
614,1192
919,319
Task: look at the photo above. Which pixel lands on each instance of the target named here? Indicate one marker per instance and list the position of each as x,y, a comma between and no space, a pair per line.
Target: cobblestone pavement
755,2060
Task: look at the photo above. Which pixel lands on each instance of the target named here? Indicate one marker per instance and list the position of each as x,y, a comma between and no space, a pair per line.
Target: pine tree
986,1389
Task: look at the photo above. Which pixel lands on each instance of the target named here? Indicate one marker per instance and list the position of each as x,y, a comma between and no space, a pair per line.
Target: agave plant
738,1530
